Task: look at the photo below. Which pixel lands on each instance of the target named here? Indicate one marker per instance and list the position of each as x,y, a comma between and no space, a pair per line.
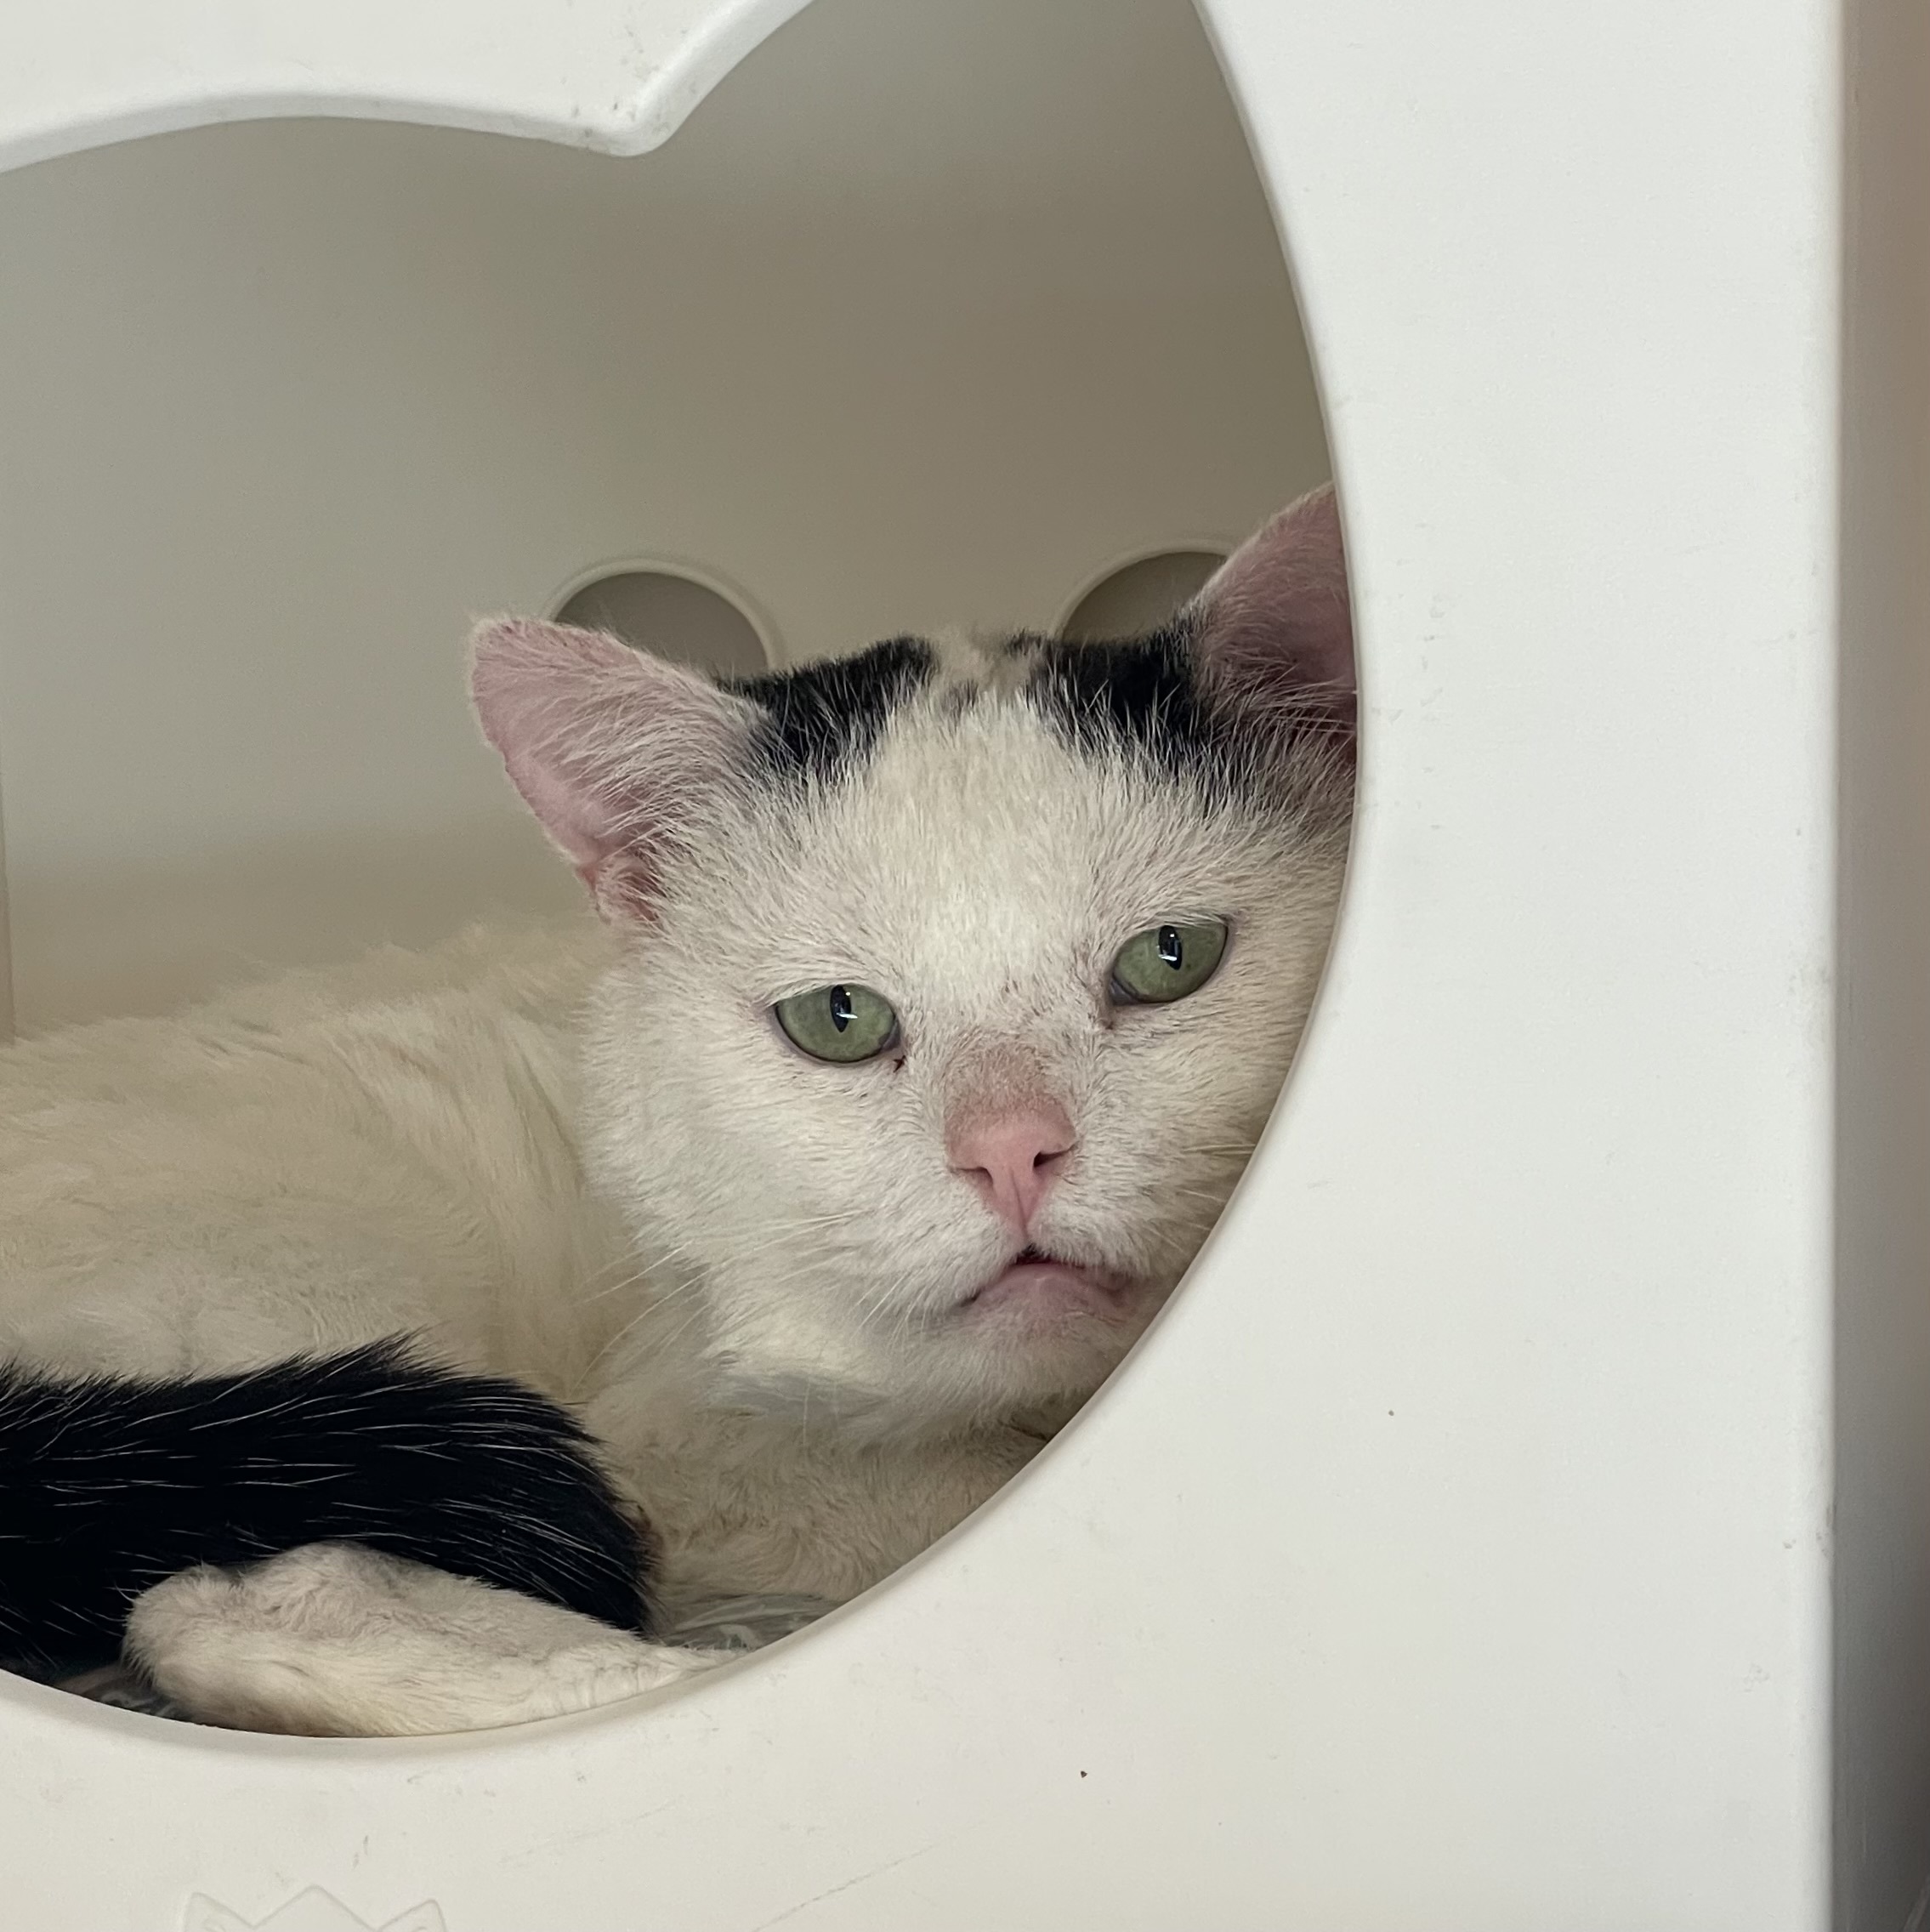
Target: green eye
838,1023
1167,963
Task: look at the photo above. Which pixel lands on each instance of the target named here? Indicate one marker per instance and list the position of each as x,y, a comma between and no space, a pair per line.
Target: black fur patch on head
1136,693
110,1484
1144,696
822,718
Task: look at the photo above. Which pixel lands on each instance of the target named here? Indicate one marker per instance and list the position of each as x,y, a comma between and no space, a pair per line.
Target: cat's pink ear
1274,627
612,749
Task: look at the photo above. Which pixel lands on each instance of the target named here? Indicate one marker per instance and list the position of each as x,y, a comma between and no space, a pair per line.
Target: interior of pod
973,311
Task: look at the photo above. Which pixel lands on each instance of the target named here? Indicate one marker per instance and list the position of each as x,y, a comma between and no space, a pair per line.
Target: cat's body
318,1161
814,1305
336,1157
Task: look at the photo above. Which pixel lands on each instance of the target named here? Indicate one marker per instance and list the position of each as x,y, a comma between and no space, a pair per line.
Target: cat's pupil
1171,951
841,1007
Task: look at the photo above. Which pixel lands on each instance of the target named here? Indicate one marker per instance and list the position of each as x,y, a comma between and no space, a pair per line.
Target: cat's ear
1274,628
612,749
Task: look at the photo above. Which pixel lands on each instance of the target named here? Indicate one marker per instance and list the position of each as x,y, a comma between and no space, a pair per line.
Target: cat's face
958,980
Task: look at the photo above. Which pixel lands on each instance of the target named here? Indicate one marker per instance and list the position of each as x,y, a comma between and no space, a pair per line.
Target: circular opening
842,330
1139,596
671,616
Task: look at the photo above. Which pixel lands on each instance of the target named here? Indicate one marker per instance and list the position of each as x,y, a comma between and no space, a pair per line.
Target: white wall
1881,1524
284,403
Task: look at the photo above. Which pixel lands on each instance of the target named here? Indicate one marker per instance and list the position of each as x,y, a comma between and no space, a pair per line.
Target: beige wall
929,314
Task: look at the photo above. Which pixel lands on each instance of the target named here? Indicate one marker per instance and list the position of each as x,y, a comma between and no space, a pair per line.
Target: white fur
588,1158
336,1641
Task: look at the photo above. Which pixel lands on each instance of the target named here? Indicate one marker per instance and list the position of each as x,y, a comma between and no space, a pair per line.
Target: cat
938,996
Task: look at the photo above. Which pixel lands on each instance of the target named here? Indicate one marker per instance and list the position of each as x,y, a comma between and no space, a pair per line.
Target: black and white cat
939,997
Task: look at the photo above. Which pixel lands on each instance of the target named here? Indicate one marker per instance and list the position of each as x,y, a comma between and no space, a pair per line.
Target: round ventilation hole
671,616
1139,596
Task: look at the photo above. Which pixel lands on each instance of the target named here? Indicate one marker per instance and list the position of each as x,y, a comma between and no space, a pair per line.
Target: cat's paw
334,1640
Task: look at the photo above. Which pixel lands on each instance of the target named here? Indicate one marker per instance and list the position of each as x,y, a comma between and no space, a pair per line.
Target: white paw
333,1640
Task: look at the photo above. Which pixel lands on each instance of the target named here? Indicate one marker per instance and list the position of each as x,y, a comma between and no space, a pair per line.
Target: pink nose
1013,1158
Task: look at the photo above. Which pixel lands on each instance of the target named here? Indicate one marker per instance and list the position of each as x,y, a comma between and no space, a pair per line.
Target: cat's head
956,979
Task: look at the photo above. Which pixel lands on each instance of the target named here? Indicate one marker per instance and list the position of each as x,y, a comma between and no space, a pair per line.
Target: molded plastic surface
617,75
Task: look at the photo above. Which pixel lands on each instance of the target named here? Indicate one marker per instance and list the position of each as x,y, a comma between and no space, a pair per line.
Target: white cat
939,996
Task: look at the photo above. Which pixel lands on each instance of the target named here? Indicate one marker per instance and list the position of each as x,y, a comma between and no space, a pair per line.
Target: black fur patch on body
110,1484
821,718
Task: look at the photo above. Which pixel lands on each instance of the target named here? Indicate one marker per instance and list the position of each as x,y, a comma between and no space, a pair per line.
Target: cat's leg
333,1641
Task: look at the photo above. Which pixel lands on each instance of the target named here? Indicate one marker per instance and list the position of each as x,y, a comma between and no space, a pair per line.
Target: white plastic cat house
1522,1518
